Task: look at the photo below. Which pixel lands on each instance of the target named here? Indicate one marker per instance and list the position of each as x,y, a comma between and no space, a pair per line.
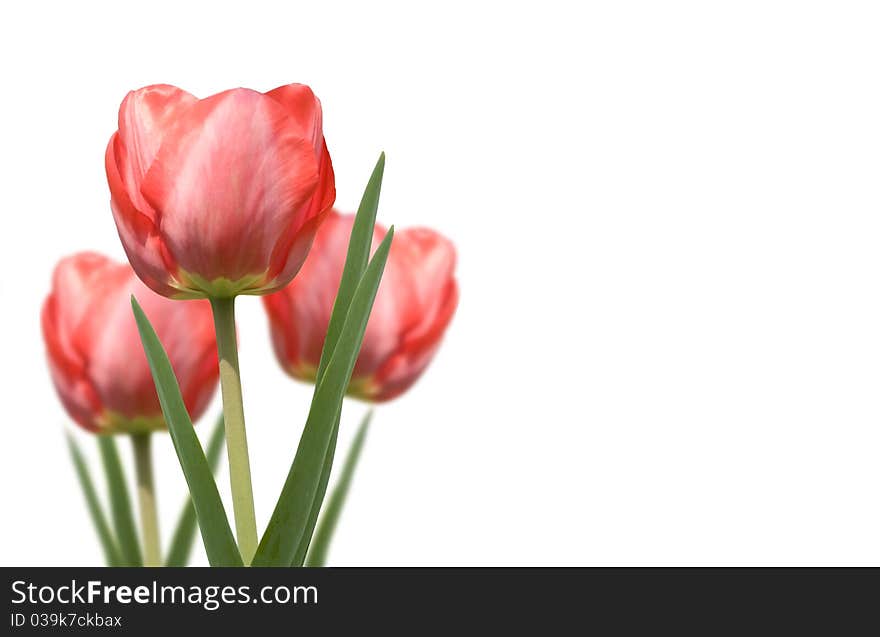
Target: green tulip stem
143,462
236,437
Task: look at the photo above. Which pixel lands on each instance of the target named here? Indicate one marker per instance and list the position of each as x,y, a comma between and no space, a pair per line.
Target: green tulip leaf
303,548
185,533
217,536
288,525
330,516
120,503
359,244
96,511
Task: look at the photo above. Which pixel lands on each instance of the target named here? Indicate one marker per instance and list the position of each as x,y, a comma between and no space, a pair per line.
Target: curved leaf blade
330,517
300,493
120,503
96,511
219,542
185,532
303,547
359,243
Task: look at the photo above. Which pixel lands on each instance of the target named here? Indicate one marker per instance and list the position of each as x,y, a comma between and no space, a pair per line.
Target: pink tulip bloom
95,354
415,303
218,196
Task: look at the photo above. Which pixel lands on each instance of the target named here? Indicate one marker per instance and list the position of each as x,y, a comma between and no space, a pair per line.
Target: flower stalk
236,436
143,462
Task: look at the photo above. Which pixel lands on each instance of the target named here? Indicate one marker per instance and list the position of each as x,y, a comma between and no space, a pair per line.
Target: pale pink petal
429,260
301,311
138,232
393,310
304,108
78,397
293,246
119,368
145,117
233,176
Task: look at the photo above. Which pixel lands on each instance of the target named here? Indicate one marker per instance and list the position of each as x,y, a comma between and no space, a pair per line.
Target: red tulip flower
219,196
415,303
95,355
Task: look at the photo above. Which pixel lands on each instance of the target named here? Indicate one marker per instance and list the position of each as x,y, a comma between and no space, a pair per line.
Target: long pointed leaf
96,511
303,548
288,523
219,542
120,503
185,531
330,517
359,244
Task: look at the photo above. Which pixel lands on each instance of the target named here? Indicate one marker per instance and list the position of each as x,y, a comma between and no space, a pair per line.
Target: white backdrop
667,346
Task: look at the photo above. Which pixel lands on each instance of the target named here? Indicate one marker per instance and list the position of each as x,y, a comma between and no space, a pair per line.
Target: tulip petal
138,231
404,368
125,382
145,118
304,108
395,309
229,179
78,397
305,321
293,246
73,282
428,259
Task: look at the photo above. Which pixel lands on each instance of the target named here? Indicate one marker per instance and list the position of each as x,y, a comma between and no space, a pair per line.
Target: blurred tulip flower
95,355
415,303
219,196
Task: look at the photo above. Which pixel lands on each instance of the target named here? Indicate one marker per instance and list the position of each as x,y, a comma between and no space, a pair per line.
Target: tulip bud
415,303
95,355
219,196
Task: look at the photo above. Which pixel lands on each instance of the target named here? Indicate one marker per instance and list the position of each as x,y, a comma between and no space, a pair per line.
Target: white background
668,344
